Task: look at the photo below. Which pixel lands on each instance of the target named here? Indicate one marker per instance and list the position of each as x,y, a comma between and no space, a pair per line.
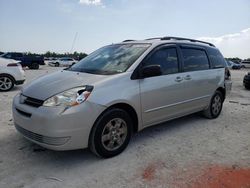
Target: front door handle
188,77
178,79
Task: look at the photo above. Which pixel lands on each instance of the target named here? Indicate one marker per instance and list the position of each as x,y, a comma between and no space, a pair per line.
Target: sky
52,25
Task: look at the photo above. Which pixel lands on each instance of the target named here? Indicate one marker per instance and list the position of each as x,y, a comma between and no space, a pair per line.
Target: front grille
56,141
33,102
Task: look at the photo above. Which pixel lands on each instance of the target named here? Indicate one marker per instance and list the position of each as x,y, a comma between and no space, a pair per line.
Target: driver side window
166,58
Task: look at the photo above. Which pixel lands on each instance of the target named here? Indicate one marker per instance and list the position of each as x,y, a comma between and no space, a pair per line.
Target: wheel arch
124,106
9,75
223,91
130,110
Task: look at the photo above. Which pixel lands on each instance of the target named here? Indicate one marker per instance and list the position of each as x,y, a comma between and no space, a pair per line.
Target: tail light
227,74
13,65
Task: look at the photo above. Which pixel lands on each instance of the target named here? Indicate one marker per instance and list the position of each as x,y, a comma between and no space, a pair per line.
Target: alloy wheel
114,134
216,105
5,83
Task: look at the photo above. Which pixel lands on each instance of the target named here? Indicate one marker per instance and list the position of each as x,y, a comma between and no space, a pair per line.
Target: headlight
71,97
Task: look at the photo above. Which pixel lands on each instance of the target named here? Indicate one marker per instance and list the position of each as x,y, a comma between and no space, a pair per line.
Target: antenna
73,43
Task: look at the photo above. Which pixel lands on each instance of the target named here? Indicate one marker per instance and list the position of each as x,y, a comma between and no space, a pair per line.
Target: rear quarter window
194,59
216,58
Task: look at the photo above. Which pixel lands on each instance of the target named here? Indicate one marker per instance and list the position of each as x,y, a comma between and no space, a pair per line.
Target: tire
56,64
247,87
246,81
34,66
6,83
111,133
215,106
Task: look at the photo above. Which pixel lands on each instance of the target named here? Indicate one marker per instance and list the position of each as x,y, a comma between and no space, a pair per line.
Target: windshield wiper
93,71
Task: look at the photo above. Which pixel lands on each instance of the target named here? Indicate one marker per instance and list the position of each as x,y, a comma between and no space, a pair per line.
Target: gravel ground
173,154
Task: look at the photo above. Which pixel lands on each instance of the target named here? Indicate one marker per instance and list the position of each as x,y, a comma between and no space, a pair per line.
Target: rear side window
216,59
166,58
8,55
14,55
18,55
194,59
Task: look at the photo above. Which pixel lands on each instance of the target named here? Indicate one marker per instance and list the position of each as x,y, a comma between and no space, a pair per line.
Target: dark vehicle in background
229,64
240,64
233,65
246,81
1,53
31,61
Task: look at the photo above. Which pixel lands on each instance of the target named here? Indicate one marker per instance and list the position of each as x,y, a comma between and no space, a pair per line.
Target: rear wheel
215,107
6,83
34,66
111,133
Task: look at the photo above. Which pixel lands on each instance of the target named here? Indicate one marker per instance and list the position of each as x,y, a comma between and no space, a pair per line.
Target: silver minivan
119,90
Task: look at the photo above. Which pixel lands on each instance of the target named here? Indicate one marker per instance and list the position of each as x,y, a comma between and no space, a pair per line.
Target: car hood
49,85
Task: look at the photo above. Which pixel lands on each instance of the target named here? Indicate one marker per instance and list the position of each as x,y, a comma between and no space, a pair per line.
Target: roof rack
191,40
154,38
129,40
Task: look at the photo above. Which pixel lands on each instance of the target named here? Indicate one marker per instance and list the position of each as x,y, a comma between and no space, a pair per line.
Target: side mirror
151,70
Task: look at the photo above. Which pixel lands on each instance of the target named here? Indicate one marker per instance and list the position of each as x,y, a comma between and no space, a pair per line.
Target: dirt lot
188,152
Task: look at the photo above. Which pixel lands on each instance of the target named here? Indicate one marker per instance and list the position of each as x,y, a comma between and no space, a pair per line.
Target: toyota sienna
119,90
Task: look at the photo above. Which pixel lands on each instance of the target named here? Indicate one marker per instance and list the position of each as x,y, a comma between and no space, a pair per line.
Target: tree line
236,59
75,55
48,54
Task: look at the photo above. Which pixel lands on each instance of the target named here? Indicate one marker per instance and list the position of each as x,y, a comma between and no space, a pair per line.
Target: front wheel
215,106
111,133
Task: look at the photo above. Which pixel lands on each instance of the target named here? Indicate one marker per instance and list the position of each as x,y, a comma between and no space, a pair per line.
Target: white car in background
50,60
246,63
63,62
11,73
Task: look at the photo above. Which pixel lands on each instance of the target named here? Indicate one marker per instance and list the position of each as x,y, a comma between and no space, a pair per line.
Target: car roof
171,40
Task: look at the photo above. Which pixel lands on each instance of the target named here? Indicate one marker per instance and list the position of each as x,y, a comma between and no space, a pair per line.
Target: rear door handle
188,77
178,79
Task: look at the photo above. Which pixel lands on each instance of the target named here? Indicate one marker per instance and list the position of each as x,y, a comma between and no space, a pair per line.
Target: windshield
110,59
4,55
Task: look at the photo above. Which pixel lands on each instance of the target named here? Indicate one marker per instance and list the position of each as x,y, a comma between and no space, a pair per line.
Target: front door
161,96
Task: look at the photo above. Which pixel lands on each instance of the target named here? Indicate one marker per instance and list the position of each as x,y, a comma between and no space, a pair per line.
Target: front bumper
51,63
228,86
54,127
19,82
19,75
